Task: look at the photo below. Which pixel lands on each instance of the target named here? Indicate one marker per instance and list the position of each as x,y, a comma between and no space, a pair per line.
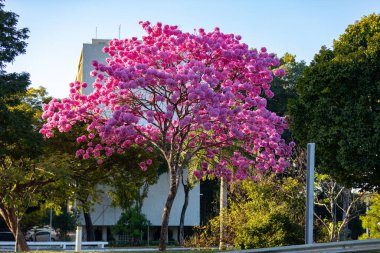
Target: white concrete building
104,214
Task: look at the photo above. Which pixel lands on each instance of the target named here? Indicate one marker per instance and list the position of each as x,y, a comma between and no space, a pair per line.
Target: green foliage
338,106
275,229
81,176
372,218
132,223
12,41
26,178
63,221
21,183
21,170
16,135
284,88
266,213
18,121
20,142
205,236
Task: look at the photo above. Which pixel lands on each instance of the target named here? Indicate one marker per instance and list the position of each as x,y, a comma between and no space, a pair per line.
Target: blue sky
59,28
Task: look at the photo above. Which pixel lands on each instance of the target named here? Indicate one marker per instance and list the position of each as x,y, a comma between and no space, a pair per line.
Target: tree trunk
366,211
181,238
173,187
333,214
346,203
223,206
89,226
11,222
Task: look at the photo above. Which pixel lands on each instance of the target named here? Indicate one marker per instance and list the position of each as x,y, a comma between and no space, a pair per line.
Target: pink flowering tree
184,95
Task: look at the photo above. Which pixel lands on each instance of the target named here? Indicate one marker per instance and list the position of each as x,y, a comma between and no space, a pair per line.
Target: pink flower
198,174
279,72
143,166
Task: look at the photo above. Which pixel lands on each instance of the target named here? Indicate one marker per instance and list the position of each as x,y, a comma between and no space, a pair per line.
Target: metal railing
9,246
331,247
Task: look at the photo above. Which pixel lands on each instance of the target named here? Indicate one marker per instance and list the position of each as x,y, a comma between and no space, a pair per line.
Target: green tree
338,106
266,213
14,139
131,224
284,88
25,176
372,218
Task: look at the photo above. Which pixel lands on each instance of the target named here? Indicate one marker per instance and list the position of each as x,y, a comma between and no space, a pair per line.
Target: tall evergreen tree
338,106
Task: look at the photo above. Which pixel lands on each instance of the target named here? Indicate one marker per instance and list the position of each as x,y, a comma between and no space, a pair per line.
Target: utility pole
310,193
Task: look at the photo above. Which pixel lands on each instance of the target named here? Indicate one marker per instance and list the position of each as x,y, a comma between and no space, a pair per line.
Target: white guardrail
330,247
6,246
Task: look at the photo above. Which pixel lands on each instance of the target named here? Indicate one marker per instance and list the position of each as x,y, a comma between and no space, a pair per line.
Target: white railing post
78,239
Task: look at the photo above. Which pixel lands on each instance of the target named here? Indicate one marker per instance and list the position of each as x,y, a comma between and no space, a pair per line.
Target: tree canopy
284,87
338,106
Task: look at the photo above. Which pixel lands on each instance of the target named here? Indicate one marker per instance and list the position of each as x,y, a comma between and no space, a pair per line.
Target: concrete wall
154,204
104,214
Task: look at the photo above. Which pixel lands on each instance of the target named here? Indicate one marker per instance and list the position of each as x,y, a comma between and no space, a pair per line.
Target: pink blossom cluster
185,95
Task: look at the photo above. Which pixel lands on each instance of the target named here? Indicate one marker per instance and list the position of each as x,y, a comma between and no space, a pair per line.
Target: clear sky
58,28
